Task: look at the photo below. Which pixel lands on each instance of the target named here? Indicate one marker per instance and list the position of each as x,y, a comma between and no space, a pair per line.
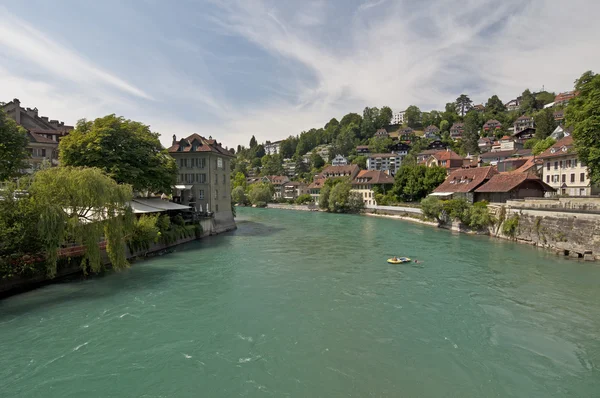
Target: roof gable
466,180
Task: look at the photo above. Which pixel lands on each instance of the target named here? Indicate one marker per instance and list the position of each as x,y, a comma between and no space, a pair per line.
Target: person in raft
395,258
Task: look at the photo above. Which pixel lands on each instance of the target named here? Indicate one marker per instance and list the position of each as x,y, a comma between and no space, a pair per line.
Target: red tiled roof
466,180
431,128
565,96
372,177
528,118
204,145
563,142
506,182
317,183
351,169
278,180
447,155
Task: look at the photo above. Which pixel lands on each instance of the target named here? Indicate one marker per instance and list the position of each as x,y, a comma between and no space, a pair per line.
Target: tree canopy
412,116
463,104
13,147
125,150
583,113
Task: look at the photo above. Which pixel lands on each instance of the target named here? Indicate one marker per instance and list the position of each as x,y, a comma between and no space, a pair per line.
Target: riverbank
293,207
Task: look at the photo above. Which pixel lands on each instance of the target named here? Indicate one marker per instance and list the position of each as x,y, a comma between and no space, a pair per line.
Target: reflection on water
304,304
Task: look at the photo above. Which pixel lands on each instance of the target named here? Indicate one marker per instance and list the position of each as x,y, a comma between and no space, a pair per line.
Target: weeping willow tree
82,205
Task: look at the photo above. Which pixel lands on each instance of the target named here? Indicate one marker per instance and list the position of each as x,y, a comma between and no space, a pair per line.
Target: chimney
174,139
17,110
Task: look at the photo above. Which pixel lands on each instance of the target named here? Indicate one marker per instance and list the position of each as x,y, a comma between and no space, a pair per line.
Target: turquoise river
298,304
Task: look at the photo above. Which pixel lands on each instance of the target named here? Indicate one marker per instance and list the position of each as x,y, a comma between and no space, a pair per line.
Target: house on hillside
513,105
559,116
485,144
507,186
405,133
349,171
523,122
204,180
507,144
462,183
447,159
431,133
491,126
382,133
339,160
480,108
366,180
388,162
362,150
561,132
436,144
563,171
563,99
526,164
457,130
524,135
278,182
289,166
493,158
272,148
43,134
401,149
293,189
398,118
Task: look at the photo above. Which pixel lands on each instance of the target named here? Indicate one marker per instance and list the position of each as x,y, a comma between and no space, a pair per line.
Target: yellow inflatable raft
399,260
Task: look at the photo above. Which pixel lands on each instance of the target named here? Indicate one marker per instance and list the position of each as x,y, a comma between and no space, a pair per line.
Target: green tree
239,180
494,106
324,197
530,143
316,160
253,142
304,199
412,116
288,146
124,149
82,205
369,122
240,167
271,165
351,118
471,133
261,193
542,145
238,195
346,140
301,166
444,126
332,129
542,98
361,161
414,182
544,123
528,104
259,151
380,145
583,114
432,208
385,117
463,104
13,147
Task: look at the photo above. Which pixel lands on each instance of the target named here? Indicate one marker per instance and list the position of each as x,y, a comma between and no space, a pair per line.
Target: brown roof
524,117
432,128
278,180
506,182
508,153
529,164
565,96
362,147
458,126
351,169
317,183
42,140
50,132
447,155
428,152
204,145
372,177
466,180
556,149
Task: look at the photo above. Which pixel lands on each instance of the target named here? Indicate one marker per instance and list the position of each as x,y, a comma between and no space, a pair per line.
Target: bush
145,232
355,203
304,199
163,223
198,231
432,208
260,192
458,209
238,195
480,216
511,225
178,220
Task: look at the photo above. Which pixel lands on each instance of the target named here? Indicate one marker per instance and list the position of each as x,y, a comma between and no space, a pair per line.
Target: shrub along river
304,304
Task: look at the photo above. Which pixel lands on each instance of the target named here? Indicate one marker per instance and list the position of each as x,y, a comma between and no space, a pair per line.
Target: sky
231,69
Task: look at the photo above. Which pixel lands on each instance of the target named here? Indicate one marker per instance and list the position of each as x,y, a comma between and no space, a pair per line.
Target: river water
304,304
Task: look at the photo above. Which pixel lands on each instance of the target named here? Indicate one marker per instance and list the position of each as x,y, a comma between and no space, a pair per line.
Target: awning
441,193
154,205
183,187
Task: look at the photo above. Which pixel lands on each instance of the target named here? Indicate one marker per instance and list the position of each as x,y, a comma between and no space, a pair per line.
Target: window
548,166
189,178
201,194
582,177
201,178
223,179
555,165
568,163
574,163
548,178
219,163
564,178
216,194
572,177
216,179
555,178
216,207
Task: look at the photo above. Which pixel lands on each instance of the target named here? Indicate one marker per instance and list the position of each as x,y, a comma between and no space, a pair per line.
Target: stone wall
293,207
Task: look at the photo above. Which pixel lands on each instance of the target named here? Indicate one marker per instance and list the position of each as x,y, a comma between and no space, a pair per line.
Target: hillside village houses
293,189
204,180
457,130
349,171
447,159
339,160
387,162
43,134
382,133
522,123
366,180
272,148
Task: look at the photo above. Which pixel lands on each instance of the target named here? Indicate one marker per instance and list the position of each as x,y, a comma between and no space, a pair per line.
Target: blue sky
235,68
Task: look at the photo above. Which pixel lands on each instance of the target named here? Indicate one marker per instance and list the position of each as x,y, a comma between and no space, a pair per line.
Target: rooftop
197,143
466,180
506,182
564,146
372,177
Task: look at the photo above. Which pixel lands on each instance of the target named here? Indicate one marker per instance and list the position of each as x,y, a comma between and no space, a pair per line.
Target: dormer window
564,149
553,150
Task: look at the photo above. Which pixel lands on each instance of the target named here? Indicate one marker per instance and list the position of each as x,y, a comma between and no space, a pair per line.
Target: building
563,171
382,133
362,150
494,157
447,159
524,135
405,133
272,148
485,144
507,186
431,133
289,167
479,108
43,134
323,151
278,182
400,148
293,189
426,154
559,116
389,162
436,144
398,118
527,164
456,131
366,180
513,105
349,171
563,99
339,160
203,181
561,132
462,183
507,143
492,125
523,122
